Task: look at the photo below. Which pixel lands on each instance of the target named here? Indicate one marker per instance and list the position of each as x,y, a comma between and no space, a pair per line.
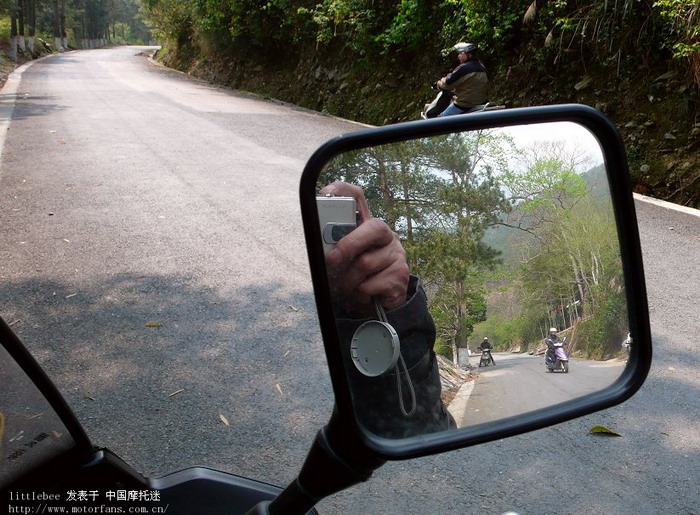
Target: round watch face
374,348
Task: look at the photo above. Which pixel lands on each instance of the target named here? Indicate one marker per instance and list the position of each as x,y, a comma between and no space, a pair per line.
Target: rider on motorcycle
486,349
551,340
468,81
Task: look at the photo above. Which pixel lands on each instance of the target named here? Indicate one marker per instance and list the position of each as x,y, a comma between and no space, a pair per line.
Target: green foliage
683,23
501,332
173,21
442,347
4,28
509,34
489,24
117,21
602,334
568,262
683,17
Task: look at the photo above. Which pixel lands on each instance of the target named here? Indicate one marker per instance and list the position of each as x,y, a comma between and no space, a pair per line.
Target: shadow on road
150,363
26,107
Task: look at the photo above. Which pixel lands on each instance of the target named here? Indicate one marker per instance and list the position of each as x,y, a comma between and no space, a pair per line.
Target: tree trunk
20,25
12,54
56,26
461,336
31,20
64,33
407,203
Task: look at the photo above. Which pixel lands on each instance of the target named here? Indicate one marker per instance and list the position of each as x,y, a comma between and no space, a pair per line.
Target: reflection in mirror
493,256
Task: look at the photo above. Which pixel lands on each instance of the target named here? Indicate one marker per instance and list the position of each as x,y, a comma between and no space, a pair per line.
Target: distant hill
508,239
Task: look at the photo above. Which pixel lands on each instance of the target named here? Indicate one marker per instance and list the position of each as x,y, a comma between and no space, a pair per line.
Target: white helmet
553,330
469,48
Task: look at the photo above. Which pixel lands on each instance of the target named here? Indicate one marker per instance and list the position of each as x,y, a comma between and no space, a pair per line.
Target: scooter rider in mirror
486,346
551,340
468,81
370,263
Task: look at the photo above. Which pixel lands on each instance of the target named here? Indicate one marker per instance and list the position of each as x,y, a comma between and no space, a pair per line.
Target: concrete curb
458,406
667,205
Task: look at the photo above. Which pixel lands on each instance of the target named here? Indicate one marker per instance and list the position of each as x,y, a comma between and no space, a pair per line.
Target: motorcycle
442,101
486,358
557,361
48,460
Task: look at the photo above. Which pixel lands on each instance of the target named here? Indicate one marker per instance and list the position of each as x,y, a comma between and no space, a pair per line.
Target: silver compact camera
338,217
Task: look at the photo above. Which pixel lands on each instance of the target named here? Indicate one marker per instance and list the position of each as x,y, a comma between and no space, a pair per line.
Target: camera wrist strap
381,316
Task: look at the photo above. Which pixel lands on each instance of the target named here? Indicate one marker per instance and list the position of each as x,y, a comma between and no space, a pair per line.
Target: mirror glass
459,263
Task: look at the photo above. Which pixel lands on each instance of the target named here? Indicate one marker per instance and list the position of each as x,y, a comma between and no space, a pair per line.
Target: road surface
520,383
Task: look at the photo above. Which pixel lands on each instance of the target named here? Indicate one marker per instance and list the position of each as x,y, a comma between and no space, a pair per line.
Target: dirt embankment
6,68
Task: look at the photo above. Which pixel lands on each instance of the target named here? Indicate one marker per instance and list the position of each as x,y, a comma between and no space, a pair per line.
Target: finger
377,259
382,272
372,234
389,286
348,270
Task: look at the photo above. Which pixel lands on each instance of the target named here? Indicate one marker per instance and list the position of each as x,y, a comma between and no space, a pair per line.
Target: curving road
520,383
153,260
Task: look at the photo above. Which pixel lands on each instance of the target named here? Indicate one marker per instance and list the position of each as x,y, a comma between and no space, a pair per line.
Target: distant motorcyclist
552,340
627,343
487,348
468,81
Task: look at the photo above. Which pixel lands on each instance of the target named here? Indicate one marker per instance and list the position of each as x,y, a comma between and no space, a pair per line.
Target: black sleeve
376,399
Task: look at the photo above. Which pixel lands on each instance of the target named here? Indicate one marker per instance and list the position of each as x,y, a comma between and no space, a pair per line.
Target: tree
439,194
570,264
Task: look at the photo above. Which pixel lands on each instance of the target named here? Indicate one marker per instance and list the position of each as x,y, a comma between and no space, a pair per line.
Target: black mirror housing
615,162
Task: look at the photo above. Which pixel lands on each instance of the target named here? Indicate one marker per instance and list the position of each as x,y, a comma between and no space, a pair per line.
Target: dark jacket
469,82
551,341
376,399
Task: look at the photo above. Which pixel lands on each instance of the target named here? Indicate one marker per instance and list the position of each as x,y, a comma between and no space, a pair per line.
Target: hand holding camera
366,262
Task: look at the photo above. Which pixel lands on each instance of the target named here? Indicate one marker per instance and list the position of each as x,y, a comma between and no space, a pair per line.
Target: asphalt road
520,383
152,258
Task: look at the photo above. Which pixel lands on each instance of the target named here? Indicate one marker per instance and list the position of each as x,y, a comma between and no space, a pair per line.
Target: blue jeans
451,110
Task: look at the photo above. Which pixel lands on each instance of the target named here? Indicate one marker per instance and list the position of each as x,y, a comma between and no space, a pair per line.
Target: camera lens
339,231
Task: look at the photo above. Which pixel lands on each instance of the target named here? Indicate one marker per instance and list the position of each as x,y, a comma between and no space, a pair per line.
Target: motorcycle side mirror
512,222
501,224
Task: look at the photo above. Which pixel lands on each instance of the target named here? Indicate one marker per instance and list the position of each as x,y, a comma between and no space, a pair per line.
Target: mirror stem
338,459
